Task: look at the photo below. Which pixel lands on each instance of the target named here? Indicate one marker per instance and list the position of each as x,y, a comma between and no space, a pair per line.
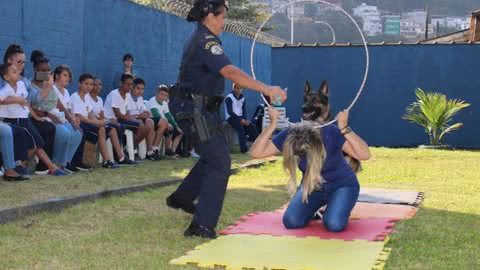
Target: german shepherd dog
317,108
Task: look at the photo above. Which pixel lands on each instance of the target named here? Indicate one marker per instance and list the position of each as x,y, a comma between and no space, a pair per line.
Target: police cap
201,8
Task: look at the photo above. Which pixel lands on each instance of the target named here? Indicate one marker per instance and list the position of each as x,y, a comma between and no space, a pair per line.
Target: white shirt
115,100
97,106
64,97
155,107
237,105
14,110
136,107
80,106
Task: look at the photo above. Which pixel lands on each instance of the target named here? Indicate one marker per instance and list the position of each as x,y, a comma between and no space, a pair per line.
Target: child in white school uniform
95,130
15,110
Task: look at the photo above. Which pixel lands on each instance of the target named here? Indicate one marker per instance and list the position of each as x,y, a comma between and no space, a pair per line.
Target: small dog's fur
316,107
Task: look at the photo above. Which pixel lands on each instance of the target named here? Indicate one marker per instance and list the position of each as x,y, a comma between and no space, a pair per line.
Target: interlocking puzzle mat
270,223
388,196
241,252
377,210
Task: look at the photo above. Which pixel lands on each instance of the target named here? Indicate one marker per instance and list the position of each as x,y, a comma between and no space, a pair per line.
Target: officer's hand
244,122
277,95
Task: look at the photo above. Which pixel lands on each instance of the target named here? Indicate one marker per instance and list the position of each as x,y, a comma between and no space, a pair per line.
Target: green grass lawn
138,232
41,188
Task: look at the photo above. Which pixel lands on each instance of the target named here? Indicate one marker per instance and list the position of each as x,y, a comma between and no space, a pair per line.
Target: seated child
116,130
94,130
117,106
15,110
159,107
138,110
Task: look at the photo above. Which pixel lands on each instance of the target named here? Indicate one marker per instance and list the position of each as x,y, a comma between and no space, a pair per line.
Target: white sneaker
194,154
41,172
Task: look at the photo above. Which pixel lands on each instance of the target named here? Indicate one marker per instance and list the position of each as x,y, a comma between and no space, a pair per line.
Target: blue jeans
340,198
6,146
67,140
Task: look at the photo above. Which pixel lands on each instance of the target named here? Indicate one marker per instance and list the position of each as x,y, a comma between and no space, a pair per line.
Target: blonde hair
303,140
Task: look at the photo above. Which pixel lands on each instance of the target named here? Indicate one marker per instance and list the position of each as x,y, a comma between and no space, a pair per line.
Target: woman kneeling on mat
316,150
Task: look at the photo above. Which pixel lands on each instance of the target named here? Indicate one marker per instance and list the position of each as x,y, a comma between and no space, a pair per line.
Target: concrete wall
92,36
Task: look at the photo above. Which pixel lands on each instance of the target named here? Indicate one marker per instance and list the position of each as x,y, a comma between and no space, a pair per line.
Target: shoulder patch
216,50
209,44
209,37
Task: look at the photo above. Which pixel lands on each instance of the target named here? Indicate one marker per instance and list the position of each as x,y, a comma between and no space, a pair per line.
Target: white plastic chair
162,146
142,149
142,146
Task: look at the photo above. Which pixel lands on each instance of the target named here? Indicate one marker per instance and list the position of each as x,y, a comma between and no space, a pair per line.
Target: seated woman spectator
15,109
159,107
47,103
14,55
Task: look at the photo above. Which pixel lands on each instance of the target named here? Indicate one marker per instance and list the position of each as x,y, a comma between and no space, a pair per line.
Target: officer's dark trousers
242,132
208,179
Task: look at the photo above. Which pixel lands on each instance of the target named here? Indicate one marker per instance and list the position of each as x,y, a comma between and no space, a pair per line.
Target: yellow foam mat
241,252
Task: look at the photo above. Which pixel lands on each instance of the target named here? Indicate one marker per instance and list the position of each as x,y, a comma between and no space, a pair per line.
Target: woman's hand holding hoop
342,119
274,115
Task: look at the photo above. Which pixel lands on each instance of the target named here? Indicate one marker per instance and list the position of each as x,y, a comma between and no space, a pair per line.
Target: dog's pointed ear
324,89
307,89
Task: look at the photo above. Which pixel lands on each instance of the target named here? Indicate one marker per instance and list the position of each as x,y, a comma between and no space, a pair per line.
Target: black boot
200,231
174,203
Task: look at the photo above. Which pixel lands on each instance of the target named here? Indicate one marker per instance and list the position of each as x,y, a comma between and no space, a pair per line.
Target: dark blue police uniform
201,82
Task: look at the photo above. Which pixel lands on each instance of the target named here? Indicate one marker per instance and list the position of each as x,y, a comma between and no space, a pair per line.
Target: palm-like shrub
434,112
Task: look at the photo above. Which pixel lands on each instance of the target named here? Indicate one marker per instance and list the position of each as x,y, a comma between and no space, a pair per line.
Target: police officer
198,96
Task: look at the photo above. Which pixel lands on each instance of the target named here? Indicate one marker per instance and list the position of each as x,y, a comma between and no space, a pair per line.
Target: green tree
241,10
245,11
158,4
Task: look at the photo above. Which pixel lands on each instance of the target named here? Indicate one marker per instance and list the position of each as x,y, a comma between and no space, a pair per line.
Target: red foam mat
270,223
